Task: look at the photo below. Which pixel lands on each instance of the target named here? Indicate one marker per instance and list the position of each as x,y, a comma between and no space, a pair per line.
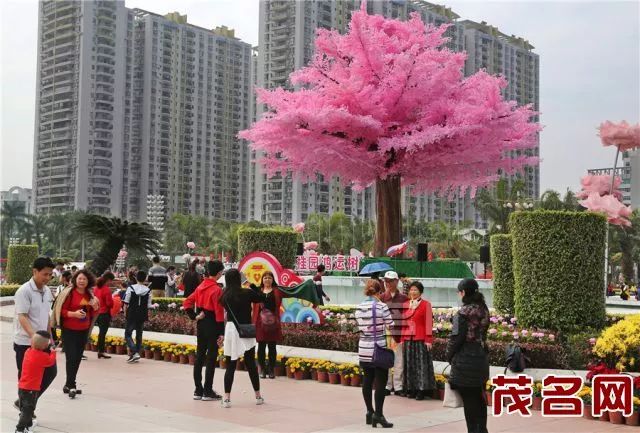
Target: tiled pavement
156,396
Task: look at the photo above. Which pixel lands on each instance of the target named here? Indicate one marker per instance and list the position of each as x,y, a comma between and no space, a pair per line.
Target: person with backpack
467,354
137,302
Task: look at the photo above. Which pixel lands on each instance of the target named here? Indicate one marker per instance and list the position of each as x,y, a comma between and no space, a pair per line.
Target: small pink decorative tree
386,104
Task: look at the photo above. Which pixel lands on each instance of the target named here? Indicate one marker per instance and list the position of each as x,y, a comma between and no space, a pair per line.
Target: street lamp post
155,212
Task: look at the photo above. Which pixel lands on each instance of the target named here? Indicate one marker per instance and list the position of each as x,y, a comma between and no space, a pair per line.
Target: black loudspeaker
423,251
485,255
300,249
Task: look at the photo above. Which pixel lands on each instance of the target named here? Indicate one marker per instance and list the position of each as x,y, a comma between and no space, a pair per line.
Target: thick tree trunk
389,214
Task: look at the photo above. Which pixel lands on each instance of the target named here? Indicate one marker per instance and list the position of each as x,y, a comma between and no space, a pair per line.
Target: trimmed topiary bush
558,269
280,242
20,259
9,289
502,265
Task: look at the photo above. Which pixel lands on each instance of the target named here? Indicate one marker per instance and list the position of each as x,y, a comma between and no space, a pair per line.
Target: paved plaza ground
154,396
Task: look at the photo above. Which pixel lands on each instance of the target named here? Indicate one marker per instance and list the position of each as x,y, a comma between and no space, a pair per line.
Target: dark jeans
134,326
49,372
475,408
262,346
73,342
206,356
28,400
374,378
103,321
250,363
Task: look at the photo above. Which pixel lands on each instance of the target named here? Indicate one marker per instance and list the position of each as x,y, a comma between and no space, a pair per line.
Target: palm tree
61,225
550,200
494,204
180,229
36,226
114,234
13,215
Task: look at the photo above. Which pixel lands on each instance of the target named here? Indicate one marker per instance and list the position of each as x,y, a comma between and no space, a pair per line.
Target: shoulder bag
452,397
244,331
382,357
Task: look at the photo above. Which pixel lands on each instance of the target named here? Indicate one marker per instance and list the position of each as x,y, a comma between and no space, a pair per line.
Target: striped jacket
364,318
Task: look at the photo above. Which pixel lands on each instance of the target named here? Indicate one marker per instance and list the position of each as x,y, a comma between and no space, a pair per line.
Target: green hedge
280,242
9,289
558,269
20,260
502,265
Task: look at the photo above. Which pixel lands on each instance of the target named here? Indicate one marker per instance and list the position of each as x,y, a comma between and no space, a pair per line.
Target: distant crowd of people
624,291
243,318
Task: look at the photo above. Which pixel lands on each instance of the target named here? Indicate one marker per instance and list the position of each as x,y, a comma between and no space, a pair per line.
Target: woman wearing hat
467,354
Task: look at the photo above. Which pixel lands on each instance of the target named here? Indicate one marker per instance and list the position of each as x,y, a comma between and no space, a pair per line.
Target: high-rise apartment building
286,39
79,100
188,96
133,105
629,173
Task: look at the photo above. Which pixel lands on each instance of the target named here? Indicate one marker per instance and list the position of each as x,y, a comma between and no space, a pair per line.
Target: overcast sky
589,71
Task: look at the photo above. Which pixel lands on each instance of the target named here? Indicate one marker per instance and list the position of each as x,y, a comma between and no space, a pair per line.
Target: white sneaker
259,401
133,358
226,403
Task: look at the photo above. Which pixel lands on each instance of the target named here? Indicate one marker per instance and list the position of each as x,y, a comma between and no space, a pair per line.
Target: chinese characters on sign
331,263
514,394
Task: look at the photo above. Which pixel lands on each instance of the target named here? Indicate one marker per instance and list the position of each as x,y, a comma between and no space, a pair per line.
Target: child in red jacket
36,359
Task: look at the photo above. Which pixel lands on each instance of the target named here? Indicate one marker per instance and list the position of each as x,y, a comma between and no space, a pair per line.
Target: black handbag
382,357
244,331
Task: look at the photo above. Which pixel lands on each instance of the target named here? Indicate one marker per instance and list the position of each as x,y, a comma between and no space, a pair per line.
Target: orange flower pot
148,353
334,378
323,376
537,403
345,381
314,375
616,418
298,375
192,359
157,355
175,358
184,359
121,350
634,419
278,370
604,417
356,380
587,412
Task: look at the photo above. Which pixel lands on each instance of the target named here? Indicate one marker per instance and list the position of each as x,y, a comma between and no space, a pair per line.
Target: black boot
272,375
263,371
368,418
375,420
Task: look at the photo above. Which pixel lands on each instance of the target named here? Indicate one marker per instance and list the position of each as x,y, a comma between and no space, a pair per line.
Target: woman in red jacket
417,336
76,312
103,293
266,317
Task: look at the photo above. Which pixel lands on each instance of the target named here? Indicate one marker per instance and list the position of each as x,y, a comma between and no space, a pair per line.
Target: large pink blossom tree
387,104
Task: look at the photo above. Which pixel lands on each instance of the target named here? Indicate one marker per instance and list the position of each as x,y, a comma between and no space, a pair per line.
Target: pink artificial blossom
310,245
505,324
191,245
599,184
592,341
552,337
615,211
386,99
298,228
622,135
513,320
493,331
516,335
524,332
505,333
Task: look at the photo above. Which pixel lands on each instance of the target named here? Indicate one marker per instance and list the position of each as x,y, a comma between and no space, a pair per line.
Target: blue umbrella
372,268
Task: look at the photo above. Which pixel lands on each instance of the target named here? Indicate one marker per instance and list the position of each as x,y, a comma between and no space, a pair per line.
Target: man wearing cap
395,301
